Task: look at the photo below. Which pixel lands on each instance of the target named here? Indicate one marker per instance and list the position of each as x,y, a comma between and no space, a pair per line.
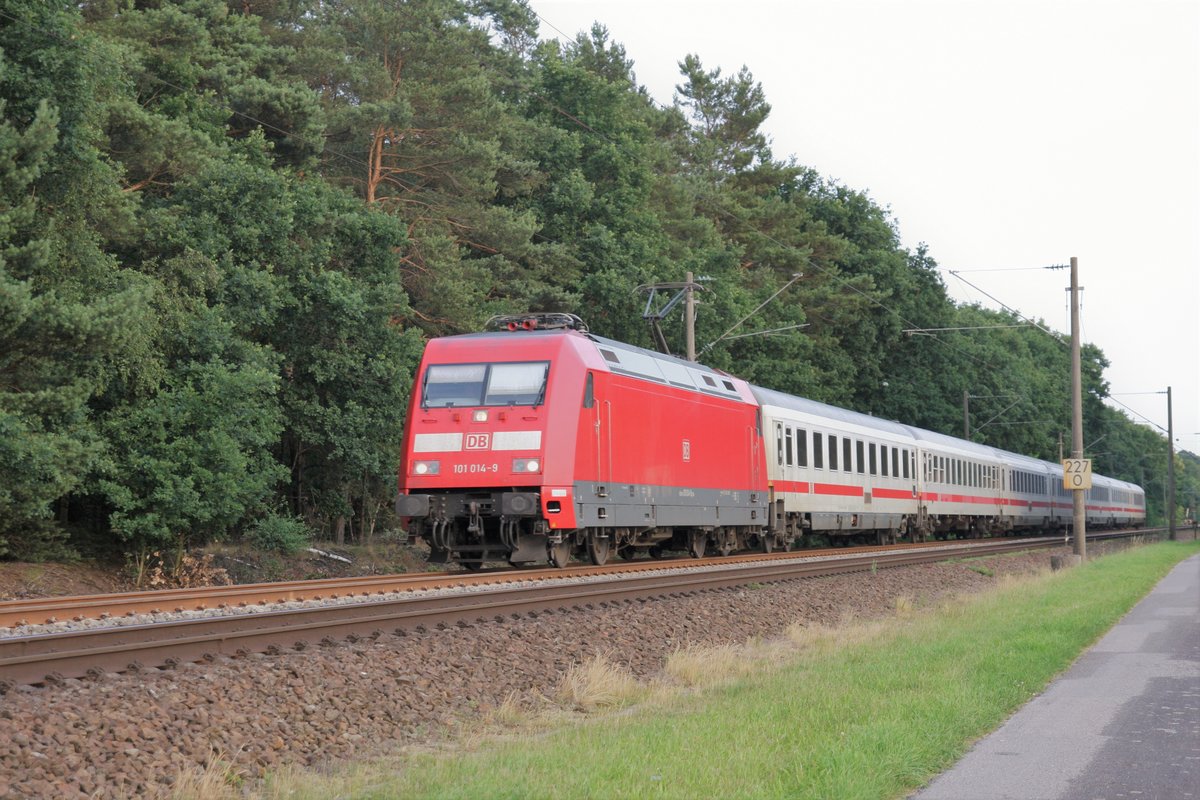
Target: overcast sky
1002,134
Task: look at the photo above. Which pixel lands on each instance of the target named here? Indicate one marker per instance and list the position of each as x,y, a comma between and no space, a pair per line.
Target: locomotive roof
637,361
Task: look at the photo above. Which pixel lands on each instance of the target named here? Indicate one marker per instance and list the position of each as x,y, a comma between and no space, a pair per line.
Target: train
539,441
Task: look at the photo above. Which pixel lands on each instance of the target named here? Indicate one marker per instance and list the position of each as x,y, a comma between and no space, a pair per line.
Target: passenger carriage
837,473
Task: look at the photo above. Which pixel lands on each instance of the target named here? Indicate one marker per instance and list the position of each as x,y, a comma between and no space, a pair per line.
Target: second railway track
56,656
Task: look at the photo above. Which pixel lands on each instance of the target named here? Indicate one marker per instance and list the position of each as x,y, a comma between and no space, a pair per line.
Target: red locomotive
541,440
527,447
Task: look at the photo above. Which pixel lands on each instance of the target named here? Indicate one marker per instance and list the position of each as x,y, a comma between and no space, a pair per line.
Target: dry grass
699,667
508,715
598,683
219,780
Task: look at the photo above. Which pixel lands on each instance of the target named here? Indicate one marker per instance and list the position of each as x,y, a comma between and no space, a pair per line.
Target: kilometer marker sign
1077,473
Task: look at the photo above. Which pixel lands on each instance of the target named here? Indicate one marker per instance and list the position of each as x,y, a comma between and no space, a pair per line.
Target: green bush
281,534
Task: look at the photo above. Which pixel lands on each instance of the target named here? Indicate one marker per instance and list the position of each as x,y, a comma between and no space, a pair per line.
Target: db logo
479,441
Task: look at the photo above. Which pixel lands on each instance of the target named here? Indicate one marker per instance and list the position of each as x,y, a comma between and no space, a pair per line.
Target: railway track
491,596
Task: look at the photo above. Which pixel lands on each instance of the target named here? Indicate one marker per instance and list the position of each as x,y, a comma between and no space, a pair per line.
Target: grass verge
868,710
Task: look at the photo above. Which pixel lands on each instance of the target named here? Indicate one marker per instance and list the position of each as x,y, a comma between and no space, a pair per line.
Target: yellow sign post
1077,473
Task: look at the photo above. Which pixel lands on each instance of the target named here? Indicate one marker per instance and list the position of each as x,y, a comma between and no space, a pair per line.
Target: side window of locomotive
817,453
846,451
833,452
589,392
802,447
858,452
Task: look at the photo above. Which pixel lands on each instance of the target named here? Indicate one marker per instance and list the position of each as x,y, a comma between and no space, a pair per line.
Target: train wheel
655,551
559,554
598,547
697,543
726,541
627,552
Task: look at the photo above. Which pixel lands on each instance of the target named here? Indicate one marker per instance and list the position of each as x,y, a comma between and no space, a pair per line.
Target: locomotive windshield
512,384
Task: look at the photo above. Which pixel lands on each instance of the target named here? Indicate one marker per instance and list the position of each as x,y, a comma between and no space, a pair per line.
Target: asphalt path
1122,724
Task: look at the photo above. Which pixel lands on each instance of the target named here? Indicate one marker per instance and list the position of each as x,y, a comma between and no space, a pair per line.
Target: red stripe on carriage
839,489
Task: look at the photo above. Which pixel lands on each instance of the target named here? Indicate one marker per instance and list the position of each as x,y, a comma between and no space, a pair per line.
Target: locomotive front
484,477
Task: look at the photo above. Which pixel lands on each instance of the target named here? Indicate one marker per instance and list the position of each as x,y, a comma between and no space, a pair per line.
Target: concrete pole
690,319
1170,466
1080,525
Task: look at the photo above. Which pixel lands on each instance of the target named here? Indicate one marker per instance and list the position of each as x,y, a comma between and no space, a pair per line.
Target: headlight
479,416
527,465
426,467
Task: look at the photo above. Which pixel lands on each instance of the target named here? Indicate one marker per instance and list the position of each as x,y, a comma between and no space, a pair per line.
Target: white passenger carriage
959,486
850,476
837,472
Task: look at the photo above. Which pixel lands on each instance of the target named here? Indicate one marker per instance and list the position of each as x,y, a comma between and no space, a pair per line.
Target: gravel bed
132,735
90,623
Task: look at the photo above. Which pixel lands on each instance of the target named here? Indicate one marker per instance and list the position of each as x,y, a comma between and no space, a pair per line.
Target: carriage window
818,454
904,456
862,461
846,451
802,447
779,443
883,460
895,462
789,446
871,452
833,462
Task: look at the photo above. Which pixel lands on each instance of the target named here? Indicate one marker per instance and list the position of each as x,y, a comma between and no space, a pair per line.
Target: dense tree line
227,226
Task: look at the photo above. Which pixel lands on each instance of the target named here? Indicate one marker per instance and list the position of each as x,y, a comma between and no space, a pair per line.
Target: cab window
511,384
